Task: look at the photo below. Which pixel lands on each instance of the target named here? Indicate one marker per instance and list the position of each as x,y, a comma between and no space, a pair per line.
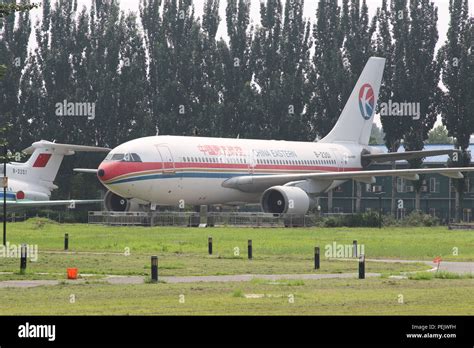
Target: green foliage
421,276
367,219
376,136
439,135
7,9
457,68
413,219
371,219
328,76
439,275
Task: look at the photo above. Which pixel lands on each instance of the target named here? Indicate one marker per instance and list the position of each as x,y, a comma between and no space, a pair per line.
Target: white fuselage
176,170
24,183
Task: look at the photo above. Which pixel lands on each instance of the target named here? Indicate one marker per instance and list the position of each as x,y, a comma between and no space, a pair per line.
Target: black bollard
250,249
354,248
362,266
154,269
316,258
24,255
209,245
66,241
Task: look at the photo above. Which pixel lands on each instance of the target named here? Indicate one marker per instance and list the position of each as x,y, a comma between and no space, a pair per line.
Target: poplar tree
15,29
457,72
239,93
328,76
422,80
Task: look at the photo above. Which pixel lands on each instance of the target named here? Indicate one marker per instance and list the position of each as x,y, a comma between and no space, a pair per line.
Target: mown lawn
101,250
418,243
374,296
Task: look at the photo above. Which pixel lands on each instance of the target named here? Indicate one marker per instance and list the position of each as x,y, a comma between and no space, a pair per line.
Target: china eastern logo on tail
366,101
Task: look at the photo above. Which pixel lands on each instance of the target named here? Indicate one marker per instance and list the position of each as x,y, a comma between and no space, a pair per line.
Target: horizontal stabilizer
65,149
407,155
85,170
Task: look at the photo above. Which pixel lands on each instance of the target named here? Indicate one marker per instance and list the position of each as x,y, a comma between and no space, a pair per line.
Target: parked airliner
283,176
30,184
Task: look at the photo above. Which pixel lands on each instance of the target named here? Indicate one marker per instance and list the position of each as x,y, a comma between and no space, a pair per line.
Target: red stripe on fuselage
116,169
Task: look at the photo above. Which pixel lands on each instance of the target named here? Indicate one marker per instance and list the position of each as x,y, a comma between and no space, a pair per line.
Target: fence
192,219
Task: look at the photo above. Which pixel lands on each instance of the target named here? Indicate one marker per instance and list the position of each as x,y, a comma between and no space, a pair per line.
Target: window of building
434,185
401,185
467,214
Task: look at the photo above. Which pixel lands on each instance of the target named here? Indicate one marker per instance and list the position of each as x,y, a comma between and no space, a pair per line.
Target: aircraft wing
259,183
32,204
396,156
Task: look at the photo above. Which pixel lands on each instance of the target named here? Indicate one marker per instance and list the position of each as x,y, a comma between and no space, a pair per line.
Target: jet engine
285,200
114,202
32,196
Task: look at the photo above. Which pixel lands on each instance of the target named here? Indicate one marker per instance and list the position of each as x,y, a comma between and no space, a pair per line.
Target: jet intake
32,196
114,202
285,200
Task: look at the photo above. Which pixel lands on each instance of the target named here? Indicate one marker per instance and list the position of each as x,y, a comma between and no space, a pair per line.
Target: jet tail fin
46,157
355,122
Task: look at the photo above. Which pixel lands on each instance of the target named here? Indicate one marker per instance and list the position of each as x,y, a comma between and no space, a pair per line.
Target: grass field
100,250
328,297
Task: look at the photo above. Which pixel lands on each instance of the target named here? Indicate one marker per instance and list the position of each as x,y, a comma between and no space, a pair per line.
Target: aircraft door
341,159
251,161
166,157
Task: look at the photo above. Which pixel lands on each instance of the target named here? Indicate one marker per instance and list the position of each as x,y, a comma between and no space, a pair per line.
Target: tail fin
355,122
46,157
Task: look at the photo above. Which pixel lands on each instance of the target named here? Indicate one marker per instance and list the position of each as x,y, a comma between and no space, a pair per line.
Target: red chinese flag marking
42,160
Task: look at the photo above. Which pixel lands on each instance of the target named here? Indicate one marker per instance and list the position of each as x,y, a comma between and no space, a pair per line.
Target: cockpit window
136,158
127,157
114,157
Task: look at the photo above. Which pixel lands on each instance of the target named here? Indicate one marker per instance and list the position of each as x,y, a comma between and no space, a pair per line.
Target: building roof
435,159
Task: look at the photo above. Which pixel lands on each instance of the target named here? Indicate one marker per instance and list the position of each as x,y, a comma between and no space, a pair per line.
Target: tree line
164,70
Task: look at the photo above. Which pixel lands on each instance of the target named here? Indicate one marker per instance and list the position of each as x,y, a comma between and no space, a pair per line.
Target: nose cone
107,171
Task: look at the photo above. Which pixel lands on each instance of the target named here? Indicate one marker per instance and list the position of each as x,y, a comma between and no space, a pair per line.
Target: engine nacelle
31,196
285,200
114,202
